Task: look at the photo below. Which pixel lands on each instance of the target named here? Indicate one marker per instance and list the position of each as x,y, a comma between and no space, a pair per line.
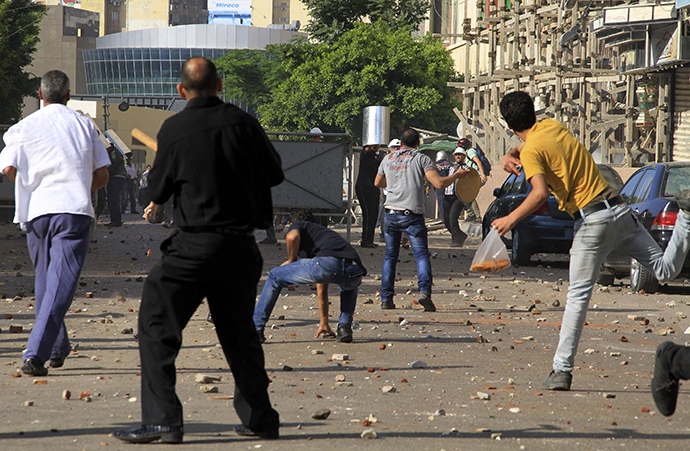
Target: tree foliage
19,28
331,19
369,65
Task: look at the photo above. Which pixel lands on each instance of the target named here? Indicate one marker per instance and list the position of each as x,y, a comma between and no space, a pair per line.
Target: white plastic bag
492,255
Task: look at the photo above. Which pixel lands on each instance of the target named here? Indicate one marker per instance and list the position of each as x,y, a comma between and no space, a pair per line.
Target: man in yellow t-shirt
553,160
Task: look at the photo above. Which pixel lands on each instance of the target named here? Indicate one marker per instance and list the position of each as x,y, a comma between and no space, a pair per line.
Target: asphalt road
482,342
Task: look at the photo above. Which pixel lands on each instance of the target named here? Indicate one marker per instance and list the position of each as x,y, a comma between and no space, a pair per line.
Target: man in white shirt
129,192
55,158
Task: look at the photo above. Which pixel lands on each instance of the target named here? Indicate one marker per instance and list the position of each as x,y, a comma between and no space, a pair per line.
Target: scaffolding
546,48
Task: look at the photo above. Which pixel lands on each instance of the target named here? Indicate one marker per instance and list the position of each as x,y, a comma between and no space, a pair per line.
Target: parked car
649,192
547,230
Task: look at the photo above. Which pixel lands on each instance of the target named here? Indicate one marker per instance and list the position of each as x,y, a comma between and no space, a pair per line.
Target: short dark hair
410,138
199,75
301,214
55,86
517,109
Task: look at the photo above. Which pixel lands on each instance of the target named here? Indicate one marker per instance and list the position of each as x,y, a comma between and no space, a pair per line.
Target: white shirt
55,151
131,171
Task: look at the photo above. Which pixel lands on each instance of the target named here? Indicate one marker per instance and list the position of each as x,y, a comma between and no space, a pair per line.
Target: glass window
505,188
185,54
149,89
158,88
132,88
122,68
630,185
517,187
642,190
156,70
129,54
101,55
175,72
165,71
146,54
130,71
155,54
678,180
147,70
165,54
137,54
174,54
138,71
196,52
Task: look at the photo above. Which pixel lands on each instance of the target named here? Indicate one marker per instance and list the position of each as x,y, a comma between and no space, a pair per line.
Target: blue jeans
595,236
348,276
416,231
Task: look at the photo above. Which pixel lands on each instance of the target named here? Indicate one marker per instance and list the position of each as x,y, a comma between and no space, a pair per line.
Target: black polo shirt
318,241
218,164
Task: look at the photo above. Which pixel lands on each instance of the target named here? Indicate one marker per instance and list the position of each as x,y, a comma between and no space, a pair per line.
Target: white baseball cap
395,143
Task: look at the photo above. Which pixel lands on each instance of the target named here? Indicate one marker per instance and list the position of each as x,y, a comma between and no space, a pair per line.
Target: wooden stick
145,139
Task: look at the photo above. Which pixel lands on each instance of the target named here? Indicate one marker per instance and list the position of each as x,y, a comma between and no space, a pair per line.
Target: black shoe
558,380
369,245
151,433
246,432
387,305
664,385
683,200
56,362
114,224
209,318
344,334
262,337
427,303
34,367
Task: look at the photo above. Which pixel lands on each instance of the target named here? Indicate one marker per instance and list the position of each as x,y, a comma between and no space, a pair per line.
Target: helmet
441,155
464,143
394,143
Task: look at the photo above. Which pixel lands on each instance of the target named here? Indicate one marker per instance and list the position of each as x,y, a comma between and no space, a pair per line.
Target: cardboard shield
467,187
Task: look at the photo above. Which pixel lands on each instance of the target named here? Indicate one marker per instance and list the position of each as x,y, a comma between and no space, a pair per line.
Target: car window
642,189
678,179
520,185
505,188
630,186
612,177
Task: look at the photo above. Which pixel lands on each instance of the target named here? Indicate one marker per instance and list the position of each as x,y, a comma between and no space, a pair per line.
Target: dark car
649,192
547,230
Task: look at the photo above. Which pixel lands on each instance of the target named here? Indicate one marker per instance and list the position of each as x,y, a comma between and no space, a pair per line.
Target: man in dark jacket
317,255
218,165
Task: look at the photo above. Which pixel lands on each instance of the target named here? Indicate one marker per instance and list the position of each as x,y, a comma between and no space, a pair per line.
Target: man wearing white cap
452,206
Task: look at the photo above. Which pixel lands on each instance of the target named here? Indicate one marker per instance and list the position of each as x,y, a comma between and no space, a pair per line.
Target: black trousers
368,197
452,209
678,358
225,269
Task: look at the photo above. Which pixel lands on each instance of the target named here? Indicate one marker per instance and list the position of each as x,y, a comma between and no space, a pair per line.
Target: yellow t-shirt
569,169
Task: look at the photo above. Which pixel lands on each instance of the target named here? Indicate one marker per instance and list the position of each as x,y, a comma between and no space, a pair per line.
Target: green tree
331,19
369,65
19,28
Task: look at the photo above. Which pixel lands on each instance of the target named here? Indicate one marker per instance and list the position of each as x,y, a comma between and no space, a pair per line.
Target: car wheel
606,277
642,279
520,253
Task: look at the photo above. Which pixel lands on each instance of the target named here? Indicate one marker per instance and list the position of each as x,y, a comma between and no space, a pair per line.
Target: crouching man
318,255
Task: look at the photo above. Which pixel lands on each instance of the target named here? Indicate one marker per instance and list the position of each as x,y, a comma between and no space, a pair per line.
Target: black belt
400,212
608,203
219,229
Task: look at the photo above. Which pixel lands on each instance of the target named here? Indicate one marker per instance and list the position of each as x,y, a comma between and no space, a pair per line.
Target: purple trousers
58,244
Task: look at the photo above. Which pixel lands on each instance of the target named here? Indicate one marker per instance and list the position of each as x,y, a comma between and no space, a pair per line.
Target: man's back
53,150
219,164
404,172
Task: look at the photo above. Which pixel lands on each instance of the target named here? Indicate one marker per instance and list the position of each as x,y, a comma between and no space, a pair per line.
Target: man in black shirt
218,165
318,255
